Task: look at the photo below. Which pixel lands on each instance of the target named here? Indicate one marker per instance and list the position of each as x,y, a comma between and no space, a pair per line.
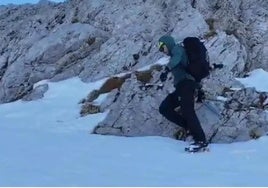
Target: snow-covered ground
47,143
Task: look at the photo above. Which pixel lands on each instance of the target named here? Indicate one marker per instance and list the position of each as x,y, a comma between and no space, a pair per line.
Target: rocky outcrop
245,116
225,49
246,20
49,56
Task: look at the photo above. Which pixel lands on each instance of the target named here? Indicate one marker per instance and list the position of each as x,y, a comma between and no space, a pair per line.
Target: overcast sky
5,2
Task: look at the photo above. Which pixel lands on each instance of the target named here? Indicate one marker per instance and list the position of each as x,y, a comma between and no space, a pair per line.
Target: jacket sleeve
175,58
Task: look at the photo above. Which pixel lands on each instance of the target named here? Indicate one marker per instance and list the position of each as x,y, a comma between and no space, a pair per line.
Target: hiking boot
197,147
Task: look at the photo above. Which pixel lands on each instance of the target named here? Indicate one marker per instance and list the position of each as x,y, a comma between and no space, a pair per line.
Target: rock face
51,55
96,39
245,116
246,20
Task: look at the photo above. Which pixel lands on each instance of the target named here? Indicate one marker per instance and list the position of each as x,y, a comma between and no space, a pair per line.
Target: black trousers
183,96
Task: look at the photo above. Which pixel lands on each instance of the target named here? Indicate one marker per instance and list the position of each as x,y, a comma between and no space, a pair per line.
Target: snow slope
47,143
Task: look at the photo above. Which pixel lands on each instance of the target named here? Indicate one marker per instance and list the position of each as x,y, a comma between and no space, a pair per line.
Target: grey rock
192,24
224,49
245,116
246,20
47,57
36,93
3,65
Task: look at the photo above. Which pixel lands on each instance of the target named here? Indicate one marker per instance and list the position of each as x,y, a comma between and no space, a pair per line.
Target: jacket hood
168,41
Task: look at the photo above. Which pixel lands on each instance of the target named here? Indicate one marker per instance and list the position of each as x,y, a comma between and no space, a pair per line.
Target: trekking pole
212,109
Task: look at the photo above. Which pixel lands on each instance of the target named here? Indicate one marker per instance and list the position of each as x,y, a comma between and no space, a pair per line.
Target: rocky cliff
116,38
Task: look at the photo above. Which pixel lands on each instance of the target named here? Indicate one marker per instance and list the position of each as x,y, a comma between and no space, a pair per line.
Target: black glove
200,95
163,75
217,66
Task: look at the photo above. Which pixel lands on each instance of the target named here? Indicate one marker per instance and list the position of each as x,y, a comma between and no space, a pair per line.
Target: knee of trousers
186,111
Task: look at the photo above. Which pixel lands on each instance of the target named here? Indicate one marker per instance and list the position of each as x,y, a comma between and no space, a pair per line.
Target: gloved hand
217,66
163,75
200,95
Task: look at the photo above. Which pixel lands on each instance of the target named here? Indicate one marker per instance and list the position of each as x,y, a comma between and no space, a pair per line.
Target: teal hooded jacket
178,59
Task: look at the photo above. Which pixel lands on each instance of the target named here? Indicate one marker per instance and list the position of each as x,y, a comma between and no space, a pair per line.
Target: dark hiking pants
183,96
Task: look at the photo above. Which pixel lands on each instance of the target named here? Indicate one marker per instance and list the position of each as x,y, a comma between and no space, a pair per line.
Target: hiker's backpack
198,65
